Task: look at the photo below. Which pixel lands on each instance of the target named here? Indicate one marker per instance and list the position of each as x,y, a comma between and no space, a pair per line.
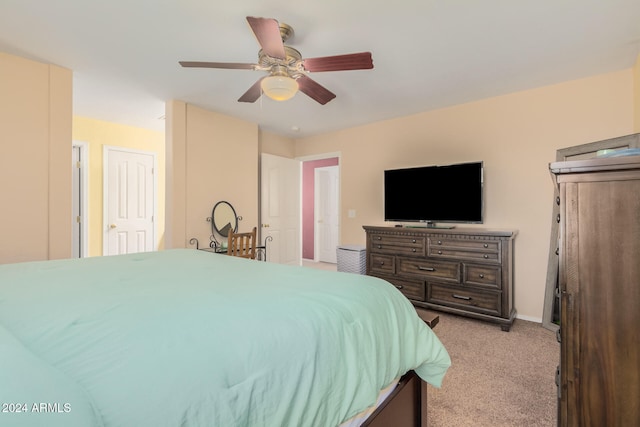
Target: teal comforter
189,338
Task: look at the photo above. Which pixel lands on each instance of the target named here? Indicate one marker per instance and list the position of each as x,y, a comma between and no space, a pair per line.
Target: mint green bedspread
189,338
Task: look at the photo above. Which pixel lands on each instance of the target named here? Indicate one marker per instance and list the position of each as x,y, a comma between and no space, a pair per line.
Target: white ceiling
427,54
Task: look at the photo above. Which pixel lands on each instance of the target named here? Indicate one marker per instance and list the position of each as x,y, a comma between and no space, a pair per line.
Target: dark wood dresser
599,285
461,271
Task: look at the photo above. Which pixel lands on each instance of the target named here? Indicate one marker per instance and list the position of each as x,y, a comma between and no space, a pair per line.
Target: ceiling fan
285,65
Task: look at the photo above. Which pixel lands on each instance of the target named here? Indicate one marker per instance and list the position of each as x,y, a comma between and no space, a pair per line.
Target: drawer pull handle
485,246
379,246
379,238
558,218
399,286
486,256
413,241
413,250
481,276
439,242
461,297
381,262
426,268
439,252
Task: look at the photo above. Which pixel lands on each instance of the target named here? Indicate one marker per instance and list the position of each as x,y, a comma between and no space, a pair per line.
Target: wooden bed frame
406,406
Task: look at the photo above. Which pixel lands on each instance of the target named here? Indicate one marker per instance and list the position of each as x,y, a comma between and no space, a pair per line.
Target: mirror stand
223,218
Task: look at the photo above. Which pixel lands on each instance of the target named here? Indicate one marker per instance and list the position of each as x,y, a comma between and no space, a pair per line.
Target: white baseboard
529,318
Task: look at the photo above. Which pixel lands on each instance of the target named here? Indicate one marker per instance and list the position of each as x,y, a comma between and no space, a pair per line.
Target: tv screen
451,193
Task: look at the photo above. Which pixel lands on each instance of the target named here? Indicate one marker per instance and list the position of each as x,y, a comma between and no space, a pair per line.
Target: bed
185,338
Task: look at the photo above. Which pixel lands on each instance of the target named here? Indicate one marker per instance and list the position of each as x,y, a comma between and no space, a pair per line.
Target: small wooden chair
242,244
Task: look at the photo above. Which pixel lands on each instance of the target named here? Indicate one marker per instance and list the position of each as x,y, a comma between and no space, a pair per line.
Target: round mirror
224,218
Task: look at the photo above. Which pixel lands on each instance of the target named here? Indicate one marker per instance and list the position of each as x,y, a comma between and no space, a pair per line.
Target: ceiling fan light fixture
279,88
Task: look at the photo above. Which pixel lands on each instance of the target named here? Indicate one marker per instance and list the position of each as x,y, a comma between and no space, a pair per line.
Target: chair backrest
242,244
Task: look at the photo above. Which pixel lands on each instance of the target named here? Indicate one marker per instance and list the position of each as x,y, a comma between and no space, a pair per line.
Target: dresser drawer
397,245
465,245
486,302
429,269
482,275
486,250
412,289
382,264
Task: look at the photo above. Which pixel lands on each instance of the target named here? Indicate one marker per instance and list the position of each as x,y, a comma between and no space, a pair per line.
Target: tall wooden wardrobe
599,284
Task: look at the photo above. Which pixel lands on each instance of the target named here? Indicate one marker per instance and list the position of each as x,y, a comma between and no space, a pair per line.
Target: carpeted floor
498,379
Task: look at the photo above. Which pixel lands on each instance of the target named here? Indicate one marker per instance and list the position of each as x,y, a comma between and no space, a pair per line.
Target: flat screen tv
430,194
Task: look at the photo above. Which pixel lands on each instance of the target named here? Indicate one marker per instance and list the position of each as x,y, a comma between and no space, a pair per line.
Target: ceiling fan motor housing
290,66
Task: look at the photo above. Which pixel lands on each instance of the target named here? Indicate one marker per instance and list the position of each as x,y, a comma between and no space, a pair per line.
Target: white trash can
352,259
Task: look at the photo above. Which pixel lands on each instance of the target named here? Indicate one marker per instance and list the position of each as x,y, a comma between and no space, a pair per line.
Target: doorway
288,185
311,233
327,197
80,197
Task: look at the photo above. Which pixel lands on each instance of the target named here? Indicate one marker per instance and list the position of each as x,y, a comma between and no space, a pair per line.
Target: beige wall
98,134
277,145
35,160
636,94
213,157
515,135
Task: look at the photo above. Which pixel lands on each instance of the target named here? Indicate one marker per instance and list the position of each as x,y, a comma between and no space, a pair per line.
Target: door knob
112,226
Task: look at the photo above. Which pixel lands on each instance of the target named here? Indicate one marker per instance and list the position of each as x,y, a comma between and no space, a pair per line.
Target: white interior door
129,201
327,228
280,208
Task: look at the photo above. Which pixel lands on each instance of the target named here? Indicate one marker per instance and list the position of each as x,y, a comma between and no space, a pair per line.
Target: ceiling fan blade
314,90
253,93
352,61
227,65
267,32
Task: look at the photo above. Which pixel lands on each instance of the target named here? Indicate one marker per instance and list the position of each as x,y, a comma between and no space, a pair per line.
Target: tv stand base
433,226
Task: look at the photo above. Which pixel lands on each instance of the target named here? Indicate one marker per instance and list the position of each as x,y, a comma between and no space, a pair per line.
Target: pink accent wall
308,205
